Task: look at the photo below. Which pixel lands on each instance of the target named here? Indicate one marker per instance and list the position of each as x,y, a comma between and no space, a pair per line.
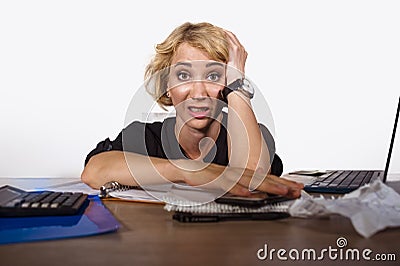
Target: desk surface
149,236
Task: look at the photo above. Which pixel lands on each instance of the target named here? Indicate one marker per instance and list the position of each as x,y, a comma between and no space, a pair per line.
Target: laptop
344,181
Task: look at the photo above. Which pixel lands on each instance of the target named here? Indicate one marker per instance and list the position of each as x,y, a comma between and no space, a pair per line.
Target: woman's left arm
246,145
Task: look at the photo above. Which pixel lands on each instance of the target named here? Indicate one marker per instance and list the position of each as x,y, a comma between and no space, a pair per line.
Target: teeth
198,109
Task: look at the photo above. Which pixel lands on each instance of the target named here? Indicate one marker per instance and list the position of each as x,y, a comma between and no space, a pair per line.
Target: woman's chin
200,122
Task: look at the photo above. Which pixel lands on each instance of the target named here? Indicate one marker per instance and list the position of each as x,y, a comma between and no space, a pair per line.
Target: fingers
273,187
287,182
233,39
293,189
237,53
271,184
238,180
240,190
236,47
277,185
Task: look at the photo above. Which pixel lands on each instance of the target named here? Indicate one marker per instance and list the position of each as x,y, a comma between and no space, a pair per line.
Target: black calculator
15,202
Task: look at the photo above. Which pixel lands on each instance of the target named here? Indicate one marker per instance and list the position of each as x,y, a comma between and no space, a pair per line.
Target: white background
330,71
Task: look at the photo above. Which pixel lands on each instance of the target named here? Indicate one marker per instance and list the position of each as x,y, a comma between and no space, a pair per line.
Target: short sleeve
133,138
130,138
105,145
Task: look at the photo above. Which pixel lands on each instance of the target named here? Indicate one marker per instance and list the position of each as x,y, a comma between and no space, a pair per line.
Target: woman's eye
213,77
183,76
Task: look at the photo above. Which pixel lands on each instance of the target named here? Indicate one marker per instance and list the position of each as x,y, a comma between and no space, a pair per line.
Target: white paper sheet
370,208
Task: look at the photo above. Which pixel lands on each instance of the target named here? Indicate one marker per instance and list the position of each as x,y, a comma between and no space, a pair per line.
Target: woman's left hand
237,58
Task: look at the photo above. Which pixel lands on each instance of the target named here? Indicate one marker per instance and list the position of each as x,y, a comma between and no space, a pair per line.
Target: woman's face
194,85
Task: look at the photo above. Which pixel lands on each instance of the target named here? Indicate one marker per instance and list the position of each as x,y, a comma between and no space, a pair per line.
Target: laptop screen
391,143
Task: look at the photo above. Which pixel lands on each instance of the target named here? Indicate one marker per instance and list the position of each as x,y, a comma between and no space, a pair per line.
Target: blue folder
96,219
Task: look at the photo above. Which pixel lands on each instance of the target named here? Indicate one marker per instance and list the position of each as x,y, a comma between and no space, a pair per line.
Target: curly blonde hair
204,36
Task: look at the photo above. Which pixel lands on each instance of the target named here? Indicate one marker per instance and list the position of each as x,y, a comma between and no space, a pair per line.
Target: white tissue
370,208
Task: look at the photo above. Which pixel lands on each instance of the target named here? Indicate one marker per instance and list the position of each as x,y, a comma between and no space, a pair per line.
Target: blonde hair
203,36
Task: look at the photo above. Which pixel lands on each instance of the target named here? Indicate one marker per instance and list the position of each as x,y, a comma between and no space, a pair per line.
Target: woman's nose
198,89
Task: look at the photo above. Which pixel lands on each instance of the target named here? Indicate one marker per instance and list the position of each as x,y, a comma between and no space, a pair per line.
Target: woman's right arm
121,166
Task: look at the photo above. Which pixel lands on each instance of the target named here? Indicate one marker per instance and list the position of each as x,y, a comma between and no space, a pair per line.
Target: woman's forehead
185,52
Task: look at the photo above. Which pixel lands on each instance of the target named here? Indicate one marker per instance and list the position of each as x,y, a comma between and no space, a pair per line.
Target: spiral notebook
191,204
217,212
198,205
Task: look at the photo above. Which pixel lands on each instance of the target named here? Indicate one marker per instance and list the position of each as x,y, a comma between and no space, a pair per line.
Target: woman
190,72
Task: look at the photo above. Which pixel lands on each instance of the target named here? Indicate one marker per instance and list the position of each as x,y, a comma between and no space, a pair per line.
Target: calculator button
45,205
25,205
51,197
54,205
35,205
60,199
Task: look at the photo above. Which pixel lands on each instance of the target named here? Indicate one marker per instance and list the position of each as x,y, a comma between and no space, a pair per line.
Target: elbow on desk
87,179
90,176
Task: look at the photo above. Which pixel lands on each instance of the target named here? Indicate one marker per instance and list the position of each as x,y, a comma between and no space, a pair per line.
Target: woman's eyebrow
188,64
183,64
214,64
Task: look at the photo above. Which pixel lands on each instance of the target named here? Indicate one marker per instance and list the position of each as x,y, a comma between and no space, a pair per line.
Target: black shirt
158,140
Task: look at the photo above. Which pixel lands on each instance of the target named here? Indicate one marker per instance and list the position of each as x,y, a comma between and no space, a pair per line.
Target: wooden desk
149,236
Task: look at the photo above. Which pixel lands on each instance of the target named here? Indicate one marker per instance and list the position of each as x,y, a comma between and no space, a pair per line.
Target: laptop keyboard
16,202
340,181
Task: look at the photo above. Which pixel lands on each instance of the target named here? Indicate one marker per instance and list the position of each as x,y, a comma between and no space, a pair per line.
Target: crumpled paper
371,208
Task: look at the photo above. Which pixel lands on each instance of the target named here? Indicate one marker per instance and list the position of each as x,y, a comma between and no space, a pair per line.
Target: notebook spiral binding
111,187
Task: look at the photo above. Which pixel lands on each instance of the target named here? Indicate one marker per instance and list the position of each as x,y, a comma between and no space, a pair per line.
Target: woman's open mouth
199,112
